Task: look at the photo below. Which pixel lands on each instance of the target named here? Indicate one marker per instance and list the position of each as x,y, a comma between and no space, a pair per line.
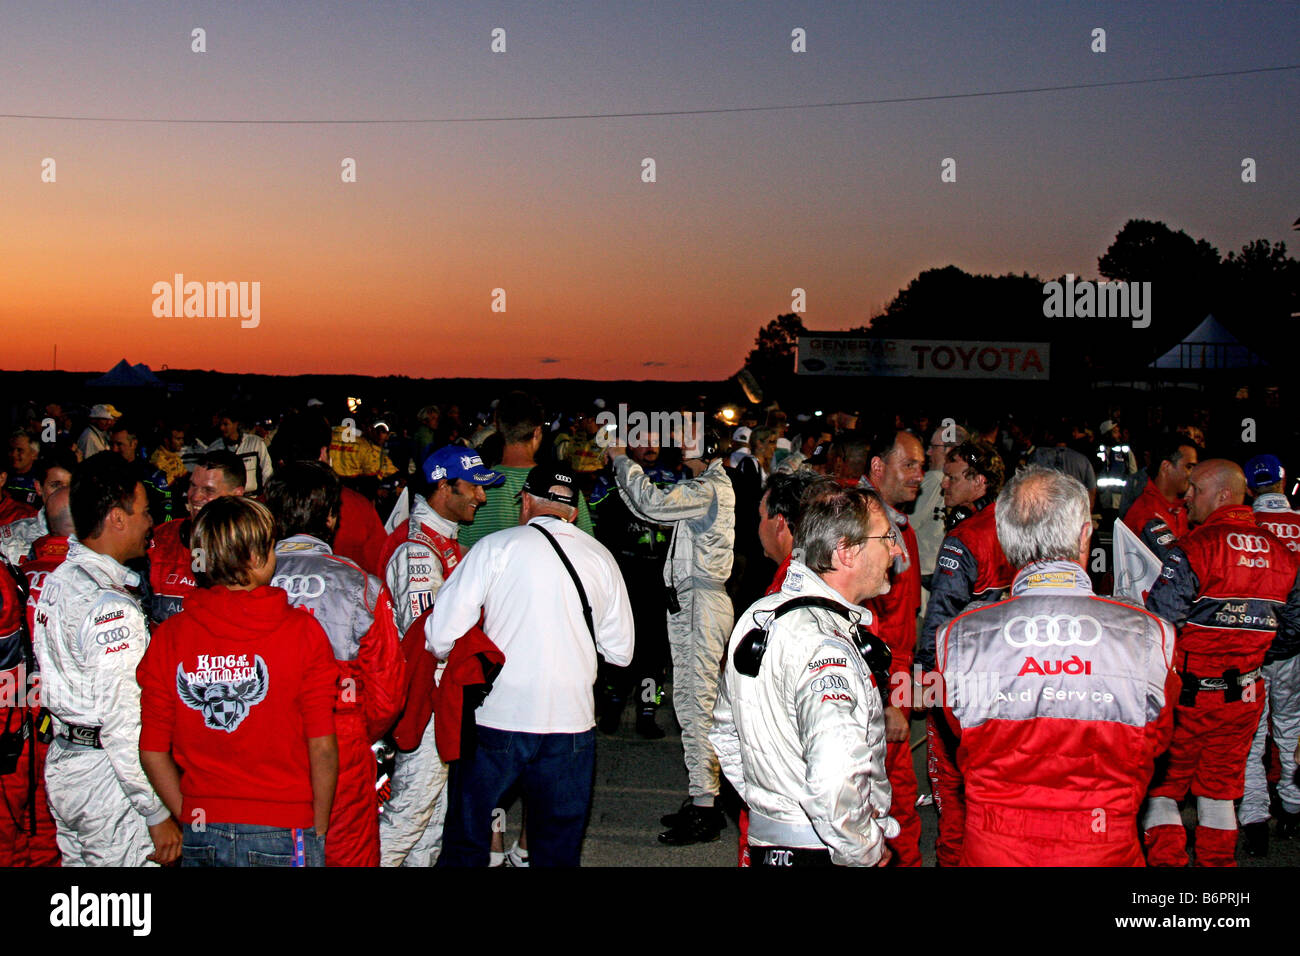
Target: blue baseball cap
455,461
1263,470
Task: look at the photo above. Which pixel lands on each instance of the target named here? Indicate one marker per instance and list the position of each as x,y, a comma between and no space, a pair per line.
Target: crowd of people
345,636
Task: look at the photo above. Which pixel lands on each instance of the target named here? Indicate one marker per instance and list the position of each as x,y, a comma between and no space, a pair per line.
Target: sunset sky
605,276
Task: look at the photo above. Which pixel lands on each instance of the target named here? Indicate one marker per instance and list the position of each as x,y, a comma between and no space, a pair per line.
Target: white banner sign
922,358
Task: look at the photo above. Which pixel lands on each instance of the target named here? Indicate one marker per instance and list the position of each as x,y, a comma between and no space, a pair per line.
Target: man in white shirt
537,725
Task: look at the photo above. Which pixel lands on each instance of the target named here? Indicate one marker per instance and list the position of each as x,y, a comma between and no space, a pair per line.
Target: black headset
748,656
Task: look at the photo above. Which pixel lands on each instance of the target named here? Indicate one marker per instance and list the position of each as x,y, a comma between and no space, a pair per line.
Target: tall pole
55,366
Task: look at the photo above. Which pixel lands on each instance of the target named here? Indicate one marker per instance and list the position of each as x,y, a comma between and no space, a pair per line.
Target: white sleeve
685,499
460,601
724,737
616,628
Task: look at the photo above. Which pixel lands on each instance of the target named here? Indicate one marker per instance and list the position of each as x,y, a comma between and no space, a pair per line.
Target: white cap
740,434
104,411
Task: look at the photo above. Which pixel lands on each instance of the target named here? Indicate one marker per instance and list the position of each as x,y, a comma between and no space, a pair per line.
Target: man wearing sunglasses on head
971,567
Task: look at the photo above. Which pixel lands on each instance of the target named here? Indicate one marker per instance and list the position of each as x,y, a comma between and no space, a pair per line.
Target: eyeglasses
890,537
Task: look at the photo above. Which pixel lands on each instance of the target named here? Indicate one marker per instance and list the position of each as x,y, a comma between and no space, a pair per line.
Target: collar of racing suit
801,581
898,520
1051,577
298,543
1231,514
101,565
1272,502
422,513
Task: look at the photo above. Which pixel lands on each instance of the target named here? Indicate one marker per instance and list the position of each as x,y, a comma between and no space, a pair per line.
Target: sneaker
496,859
1256,838
517,856
670,819
647,728
695,825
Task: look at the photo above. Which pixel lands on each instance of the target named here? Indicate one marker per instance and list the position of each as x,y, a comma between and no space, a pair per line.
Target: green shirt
502,508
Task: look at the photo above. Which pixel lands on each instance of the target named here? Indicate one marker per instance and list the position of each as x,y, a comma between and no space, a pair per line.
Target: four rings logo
419,569
1283,531
1046,630
830,682
112,634
301,586
1250,543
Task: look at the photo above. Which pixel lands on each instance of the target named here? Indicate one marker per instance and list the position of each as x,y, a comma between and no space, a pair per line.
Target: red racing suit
171,569
1061,701
1153,519
1227,586
895,616
970,568
354,609
27,831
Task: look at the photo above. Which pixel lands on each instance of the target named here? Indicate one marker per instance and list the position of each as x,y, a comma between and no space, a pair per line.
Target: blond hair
230,536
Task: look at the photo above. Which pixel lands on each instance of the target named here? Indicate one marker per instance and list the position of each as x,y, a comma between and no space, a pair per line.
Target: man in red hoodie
237,694
355,610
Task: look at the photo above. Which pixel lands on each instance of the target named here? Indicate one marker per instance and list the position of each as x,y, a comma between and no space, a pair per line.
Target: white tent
1208,346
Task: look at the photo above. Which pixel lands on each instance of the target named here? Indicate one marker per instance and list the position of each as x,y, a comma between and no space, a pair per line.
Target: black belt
783,856
85,736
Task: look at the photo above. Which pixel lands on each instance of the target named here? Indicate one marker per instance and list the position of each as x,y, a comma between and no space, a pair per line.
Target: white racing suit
803,742
89,634
702,512
410,828
17,537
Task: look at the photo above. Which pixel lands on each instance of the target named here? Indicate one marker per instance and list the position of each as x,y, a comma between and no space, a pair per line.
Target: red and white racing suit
418,558
1281,716
1061,701
1227,586
171,569
353,608
971,568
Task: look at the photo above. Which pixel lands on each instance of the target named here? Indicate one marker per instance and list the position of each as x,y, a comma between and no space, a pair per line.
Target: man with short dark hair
799,726
354,609
217,474
895,474
1159,515
1228,586
89,636
49,475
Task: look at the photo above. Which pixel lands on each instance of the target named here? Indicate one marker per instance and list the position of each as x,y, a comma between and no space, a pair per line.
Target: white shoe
517,856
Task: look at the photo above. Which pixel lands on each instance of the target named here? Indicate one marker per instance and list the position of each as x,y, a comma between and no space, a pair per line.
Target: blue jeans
555,773
249,844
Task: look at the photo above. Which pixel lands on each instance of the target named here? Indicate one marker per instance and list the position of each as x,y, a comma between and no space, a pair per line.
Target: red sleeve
320,677
156,675
382,670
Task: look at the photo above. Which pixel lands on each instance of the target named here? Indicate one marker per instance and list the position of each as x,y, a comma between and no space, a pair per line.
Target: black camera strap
582,592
